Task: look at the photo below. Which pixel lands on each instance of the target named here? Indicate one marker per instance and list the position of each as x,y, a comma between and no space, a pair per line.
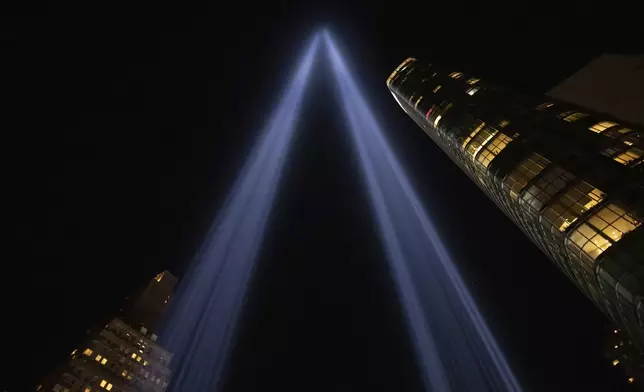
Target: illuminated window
545,105
572,204
480,140
602,126
473,90
138,359
601,230
493,149
631,155
399,68
98,358
145,363
438,118
109,387
550,183
473,81
73,352
627,157
88,352
631,380
437,88
456,75
133,356
572,116
429,111
124,374
476,130
418,101
615,362
88,389
103,383
104,361
504,123
159,276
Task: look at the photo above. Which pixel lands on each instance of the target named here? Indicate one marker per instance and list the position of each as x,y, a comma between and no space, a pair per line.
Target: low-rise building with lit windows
571,178
124,356
116,358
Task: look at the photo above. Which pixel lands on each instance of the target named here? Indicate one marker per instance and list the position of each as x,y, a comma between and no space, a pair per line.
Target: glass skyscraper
572,179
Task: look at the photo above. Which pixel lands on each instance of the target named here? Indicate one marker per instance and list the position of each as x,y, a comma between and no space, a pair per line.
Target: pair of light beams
454,348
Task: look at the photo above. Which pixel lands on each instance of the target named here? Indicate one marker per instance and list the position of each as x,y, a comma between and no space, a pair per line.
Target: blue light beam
201,323
455,349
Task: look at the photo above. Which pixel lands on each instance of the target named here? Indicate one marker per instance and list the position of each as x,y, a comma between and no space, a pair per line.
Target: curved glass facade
570,178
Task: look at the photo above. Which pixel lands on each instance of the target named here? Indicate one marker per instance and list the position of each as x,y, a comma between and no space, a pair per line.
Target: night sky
126,124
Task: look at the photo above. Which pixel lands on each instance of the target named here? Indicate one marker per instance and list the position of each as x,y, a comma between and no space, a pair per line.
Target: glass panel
525,171
597,222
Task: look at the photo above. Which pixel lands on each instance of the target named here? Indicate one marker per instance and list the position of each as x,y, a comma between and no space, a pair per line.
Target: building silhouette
149,305
124,355
571,178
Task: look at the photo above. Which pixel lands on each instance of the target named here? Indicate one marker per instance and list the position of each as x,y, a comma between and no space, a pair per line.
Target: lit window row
159,276
429,112
527,169
473,90
550,183
480,140
476,130
399,68
439,112
504,123
627,157
601,230
106,385
456,75
493,149
437,88
418,101
136,357
572,204
544,105
472,81
572,116
602,126
100,359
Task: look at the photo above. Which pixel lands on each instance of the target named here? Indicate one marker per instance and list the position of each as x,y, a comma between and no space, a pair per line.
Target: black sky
126,124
